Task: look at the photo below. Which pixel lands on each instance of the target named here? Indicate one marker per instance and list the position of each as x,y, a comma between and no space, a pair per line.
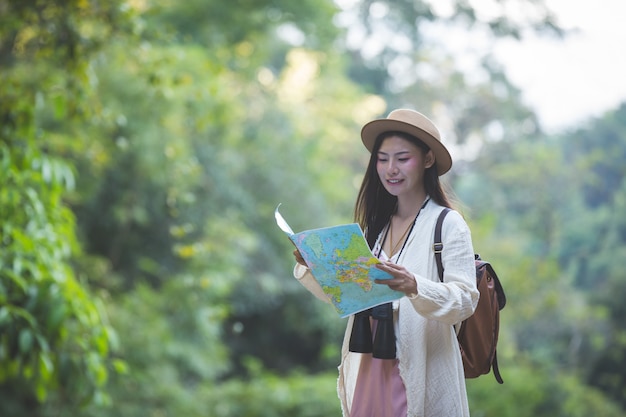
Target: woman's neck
409,205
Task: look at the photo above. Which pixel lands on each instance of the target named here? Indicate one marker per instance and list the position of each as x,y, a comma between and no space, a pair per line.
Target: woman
397,207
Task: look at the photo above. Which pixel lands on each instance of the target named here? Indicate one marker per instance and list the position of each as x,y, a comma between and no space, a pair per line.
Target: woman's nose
392,168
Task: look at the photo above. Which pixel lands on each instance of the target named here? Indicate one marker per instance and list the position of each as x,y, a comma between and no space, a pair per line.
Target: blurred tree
54,340
399,49
205,170
531,390
595,157
595,240
217,25
562,267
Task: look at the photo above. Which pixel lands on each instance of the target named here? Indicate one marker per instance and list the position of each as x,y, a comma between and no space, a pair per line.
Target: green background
144,145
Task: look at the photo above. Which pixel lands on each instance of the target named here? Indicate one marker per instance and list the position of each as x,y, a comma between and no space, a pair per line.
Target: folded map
342,263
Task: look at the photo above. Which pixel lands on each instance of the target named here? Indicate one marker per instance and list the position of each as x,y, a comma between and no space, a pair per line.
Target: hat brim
375,128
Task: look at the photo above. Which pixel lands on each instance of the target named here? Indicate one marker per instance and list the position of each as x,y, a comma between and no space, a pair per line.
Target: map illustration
342,263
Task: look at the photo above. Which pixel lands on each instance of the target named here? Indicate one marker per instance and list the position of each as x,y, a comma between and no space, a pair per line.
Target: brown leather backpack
478,335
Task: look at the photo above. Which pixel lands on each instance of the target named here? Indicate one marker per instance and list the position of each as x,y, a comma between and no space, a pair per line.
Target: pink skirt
379,390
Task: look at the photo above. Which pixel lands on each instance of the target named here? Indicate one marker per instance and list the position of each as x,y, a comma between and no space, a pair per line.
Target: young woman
418,370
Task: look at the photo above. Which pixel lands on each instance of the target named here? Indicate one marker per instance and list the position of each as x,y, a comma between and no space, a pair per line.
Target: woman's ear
429,160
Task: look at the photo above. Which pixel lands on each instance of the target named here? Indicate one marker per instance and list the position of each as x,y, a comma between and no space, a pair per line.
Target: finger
396,267
390,266
299,258
405,284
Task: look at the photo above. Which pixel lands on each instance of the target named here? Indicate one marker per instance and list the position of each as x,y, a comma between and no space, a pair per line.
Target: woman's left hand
402,280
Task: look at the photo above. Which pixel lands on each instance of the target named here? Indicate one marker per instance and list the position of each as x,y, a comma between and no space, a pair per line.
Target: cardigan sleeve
304,276
454,299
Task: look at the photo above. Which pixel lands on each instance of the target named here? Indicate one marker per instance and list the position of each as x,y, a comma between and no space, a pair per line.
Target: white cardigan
429,359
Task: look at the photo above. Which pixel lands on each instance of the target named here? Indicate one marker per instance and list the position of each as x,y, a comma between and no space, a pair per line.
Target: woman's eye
403,159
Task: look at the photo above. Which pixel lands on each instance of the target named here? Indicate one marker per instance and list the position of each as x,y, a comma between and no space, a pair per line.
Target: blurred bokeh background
144,145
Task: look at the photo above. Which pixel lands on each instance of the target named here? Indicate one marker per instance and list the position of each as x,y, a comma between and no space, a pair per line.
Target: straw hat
413,123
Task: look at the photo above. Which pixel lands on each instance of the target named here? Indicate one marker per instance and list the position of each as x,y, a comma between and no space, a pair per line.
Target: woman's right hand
299,257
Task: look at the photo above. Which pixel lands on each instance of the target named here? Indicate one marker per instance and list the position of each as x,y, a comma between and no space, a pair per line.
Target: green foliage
531,391
54,341
161,204
171,348
51,328
242,22
566,241
267,395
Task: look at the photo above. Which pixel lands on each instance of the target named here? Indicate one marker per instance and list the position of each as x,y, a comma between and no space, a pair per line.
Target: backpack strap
495,369
438,244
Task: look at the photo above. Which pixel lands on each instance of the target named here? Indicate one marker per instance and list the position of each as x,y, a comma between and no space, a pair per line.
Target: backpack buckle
438,247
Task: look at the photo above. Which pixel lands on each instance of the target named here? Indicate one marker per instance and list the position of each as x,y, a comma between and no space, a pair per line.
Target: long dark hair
374,205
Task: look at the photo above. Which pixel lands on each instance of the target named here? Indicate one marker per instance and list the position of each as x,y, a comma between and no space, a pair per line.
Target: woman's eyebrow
395,154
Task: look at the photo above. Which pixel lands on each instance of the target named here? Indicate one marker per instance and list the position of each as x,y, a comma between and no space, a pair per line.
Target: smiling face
400,165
